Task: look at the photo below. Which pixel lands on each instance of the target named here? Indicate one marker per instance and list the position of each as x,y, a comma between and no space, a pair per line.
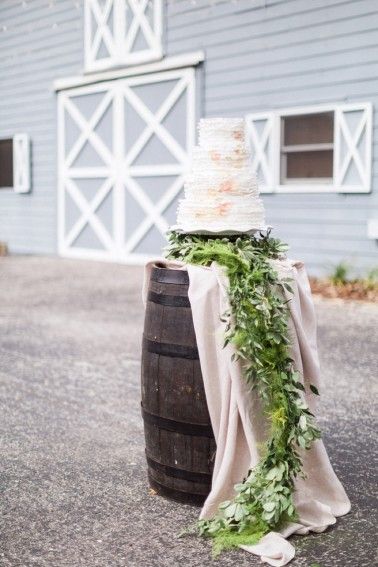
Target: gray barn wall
38,45
260,55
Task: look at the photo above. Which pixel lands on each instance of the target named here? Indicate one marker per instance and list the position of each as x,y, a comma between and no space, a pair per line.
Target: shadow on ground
73,480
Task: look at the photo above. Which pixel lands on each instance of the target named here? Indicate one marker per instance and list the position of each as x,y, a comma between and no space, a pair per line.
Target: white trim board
169,63
372,229
21,163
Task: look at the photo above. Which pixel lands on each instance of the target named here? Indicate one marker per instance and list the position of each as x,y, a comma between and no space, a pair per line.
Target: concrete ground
72,469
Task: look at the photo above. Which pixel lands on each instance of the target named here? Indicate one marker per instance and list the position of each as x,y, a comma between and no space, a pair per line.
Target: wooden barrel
180,444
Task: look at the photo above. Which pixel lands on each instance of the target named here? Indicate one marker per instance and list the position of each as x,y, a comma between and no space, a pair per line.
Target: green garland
259,333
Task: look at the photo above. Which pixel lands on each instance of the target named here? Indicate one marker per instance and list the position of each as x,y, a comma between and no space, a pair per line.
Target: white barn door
124,147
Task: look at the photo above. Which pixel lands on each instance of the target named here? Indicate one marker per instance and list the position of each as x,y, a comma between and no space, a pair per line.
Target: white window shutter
263,134
353,148
21,163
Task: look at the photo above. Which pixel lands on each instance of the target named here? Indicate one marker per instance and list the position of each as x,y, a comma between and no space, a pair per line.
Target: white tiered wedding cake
221,192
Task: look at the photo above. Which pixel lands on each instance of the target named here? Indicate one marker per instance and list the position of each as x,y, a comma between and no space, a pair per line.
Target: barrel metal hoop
167,275
172,350
201,478
169,300
185,428
195,498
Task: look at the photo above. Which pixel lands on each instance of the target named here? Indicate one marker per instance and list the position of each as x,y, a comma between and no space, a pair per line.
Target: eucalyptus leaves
258,331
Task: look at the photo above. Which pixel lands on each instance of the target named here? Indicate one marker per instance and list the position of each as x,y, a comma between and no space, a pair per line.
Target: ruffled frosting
221,191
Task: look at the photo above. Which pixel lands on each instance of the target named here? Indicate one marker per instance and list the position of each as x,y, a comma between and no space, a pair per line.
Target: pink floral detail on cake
227,186
202,214
238,161
223,208
215,156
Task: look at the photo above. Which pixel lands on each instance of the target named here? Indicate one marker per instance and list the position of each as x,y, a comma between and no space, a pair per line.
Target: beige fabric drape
236,414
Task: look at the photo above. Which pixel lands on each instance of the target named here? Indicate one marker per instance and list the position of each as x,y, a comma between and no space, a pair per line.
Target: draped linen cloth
237,418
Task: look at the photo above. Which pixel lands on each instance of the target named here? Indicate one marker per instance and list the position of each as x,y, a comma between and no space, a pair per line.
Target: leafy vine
259,333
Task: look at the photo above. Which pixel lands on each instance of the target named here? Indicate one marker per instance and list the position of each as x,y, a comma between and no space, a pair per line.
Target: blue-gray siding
38,45
260,55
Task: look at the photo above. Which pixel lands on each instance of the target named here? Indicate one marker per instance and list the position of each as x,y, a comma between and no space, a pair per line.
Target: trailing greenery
257,327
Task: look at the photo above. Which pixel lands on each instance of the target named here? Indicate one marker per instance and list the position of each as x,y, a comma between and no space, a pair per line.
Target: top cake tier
225,134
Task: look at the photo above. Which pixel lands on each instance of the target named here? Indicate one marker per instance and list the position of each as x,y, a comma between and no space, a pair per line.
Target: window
15,163
307,148
121,32
312,149
6,163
